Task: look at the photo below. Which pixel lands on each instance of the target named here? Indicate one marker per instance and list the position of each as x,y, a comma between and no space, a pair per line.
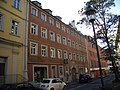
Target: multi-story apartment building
93,59
55,49
13,27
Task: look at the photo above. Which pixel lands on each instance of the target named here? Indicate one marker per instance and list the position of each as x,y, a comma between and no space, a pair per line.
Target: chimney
37,3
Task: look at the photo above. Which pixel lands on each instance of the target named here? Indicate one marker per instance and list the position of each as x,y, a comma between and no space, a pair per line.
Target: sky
68,11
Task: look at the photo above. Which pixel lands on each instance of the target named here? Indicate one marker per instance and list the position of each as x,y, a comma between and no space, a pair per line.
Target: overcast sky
68,10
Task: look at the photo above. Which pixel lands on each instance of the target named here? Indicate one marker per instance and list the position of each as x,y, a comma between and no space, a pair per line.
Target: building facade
12,35
55,49
93,59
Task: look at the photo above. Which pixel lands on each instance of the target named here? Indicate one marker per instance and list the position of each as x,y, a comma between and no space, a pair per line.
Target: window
68,31
64,41
59,53
43,16
16,4
58,38
52,52
44,33
73,44
51,21
34,29
74,56
15,27
61,71
33,48
34,11
1,22
52,36
57,24
63,28
70,56
54,74
65,55
69,42
44,50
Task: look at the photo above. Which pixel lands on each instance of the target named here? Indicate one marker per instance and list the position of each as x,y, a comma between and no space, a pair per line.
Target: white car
52,84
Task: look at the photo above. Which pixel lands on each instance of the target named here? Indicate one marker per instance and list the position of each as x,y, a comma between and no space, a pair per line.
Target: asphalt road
96,83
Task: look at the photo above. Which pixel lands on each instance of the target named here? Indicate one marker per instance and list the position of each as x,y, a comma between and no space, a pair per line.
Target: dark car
17,86
84,78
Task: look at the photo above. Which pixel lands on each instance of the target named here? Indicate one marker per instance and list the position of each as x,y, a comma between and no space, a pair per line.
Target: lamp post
90,12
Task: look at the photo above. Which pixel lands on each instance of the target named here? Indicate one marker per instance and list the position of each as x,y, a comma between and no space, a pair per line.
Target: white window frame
33,49
43,32
73,44
36,11
44,52
52,52
51,21
59,51
1,21
17,4
16,26
57,24
74,56
55,72
58,38
69,42
63,28
65,54
64,41
34,29
43,16
61,72
70,55
52,36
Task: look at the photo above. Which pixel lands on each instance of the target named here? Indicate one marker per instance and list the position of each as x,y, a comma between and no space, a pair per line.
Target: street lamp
90,12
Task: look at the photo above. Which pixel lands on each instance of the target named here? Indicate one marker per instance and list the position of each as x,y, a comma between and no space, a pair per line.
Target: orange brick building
55,49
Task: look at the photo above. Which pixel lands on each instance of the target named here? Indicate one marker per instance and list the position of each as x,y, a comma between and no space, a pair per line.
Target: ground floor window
40,73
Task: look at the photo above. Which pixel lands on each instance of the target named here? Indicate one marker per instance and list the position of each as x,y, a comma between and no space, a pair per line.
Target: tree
105,24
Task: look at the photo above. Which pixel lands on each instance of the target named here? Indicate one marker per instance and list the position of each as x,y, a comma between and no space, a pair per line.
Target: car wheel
64,88
52,89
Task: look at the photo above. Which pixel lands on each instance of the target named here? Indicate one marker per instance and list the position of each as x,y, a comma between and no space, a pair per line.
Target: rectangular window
61,72
65,55
44,50
51,21
69,42
16,4
63,28
43,17
74,56
52,52
1,22
54,70
64,41
73,44
70,56
34,29
58,38
33,48
44,33
57,24
15,28
34,11
59,53
52,36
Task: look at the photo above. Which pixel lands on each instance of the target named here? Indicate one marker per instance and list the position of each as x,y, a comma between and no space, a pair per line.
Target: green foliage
105,22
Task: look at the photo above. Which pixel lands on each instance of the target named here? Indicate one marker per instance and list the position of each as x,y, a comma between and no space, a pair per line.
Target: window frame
36,48
2,22
43,32
52,52
35,29
43,16
46,51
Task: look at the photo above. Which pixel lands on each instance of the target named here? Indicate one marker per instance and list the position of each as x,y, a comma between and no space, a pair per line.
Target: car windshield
45,81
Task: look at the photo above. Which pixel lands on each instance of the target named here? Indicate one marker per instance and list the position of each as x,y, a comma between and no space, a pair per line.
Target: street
95,84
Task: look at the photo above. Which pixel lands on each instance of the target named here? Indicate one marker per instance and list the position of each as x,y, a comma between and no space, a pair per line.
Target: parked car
52,84
17,86
84,78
